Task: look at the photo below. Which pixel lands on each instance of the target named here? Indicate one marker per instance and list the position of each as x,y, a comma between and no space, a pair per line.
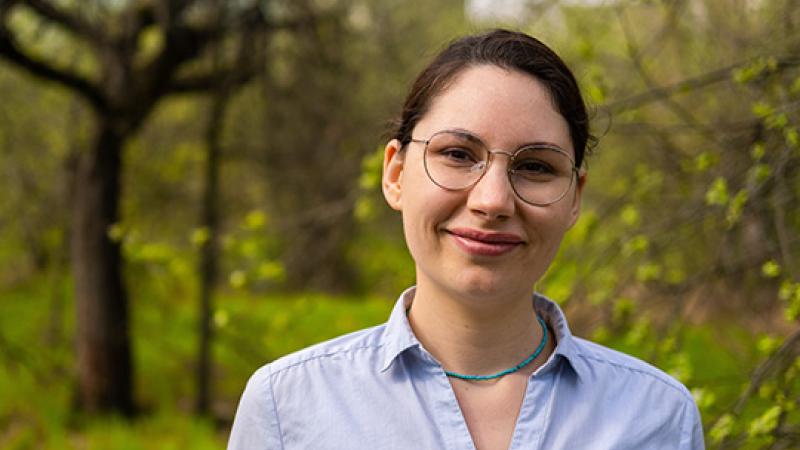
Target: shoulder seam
669,382
323,355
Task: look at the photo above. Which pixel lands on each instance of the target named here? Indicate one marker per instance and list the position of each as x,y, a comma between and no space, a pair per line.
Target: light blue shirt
380,389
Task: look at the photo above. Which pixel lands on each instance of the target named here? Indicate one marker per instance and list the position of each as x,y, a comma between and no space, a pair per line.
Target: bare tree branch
207,81
659,93
11,53
246,65
635,53
689,84
69,21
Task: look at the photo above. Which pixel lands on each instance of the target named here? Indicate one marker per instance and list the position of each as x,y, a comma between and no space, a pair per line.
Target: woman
485,169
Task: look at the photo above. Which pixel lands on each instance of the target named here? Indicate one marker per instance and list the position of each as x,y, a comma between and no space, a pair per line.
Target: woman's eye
533,167
458,154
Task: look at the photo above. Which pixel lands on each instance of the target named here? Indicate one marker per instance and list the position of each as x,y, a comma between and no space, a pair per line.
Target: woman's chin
484,286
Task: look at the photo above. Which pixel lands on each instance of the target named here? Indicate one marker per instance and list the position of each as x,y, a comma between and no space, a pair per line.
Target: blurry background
190,189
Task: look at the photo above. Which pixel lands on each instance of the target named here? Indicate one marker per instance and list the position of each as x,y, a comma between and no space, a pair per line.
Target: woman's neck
476,337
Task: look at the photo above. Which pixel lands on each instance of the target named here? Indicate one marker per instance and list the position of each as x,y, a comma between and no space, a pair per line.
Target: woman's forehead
502,107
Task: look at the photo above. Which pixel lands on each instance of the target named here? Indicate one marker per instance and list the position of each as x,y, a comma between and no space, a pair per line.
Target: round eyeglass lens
541,175
538,175
455,160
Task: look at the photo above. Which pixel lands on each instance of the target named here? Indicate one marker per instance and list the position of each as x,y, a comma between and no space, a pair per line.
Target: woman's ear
576,201
393,160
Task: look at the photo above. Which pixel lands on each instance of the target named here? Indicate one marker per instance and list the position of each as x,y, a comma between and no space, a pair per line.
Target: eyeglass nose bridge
484,165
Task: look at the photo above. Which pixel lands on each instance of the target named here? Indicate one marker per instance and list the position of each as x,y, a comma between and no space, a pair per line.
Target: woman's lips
483,243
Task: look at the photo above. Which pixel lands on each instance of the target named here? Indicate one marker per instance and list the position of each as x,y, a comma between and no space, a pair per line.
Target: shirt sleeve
692,429
256,425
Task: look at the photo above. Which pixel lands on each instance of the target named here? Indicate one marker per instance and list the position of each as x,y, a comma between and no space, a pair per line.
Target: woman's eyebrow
539,144
465,134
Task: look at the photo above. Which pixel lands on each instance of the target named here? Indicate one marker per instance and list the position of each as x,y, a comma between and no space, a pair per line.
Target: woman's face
482,242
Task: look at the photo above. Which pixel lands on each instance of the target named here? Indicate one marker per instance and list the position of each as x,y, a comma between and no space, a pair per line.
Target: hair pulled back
509,50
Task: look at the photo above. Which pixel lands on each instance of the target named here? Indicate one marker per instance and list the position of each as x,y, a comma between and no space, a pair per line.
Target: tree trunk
208,258
103,343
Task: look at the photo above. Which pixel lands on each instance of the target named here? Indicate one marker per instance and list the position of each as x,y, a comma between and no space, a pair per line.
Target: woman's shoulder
617,367
344,347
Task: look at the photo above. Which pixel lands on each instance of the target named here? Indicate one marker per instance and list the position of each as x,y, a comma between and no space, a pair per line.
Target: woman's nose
492,196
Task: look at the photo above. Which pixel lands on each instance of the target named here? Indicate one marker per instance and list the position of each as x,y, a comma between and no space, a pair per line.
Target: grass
37,365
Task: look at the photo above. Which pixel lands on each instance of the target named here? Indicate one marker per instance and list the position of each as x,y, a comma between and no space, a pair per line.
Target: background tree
128,79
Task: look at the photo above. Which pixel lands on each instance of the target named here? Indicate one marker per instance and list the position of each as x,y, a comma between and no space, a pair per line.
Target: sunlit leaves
792,137
762,109
767,344
151,41
754,70
200,236
252,253
623,309
649,271
717,194
237,279
364,209
270,271
765,423
758,151
115,232
723,428
777,121
705,398
680,366
789,293
771,269
594,84
637,244
759,173
705,161
255,220
220,318
773,119
736,207
369,182
638,333
371,170
630,216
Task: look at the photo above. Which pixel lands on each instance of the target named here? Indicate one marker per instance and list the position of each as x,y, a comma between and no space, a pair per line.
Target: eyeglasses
539,174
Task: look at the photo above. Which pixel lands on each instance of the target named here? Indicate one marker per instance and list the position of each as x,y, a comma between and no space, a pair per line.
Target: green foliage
765,423
370,184
721,429
685,255
790,294
717,194
252,253
36,409
771,269
760,67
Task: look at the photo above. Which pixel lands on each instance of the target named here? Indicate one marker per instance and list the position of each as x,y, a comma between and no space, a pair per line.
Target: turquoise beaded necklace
511,370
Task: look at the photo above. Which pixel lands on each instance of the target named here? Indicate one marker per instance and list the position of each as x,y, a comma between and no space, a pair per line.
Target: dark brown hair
508,50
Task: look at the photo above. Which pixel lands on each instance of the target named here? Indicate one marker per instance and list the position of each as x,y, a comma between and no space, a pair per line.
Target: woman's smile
484,243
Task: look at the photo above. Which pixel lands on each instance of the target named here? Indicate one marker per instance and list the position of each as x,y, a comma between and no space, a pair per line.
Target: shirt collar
566,346
398,336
